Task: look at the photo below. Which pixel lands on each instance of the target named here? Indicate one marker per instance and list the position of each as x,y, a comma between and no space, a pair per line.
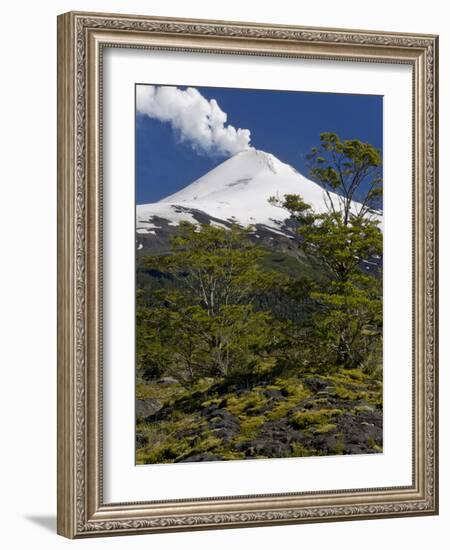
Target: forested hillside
249,349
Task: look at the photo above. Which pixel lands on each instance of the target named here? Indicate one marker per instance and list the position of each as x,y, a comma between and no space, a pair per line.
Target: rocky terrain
290,417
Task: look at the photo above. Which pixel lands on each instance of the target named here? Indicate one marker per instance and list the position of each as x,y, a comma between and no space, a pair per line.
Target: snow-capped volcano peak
231,176
237,190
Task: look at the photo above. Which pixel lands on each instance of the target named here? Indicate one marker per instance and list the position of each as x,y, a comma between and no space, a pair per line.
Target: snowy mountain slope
238,190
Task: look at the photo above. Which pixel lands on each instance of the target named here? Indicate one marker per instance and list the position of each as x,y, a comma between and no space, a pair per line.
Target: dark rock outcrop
221,423
141,440
147,407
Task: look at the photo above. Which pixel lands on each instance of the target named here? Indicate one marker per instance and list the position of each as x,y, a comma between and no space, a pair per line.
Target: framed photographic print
247,277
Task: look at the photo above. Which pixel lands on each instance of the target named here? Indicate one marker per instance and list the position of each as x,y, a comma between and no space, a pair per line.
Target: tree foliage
221,313
344,240
207,326
351,170
216,267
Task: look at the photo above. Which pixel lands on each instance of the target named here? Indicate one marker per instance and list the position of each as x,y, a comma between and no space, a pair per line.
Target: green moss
265,366
366,388
253,409
280,410
373,445
183,422
169,393
363,408
247,403
203,384
296,393
355,374
339,446
155,433
227,454
167,451
162,392
305,419
347,377
325,428
346,393
208,443
299,450
321,402
293,387
376,399
162,436
177,416
249,428
214,401
172,449
250,425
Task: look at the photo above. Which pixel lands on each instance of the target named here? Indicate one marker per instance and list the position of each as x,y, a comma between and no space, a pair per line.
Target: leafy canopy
206,324
351,170
343,240
216,266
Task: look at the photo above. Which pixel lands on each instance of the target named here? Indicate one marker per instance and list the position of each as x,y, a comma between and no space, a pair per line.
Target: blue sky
286,124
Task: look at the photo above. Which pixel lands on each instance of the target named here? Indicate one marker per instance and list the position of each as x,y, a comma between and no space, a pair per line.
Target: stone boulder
147,407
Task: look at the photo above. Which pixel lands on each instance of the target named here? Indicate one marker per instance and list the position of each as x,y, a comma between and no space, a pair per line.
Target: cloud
196,120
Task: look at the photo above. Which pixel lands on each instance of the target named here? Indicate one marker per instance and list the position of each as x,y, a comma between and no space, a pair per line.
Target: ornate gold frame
81,37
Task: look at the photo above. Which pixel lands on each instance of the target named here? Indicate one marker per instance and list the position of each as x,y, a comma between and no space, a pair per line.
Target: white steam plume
196,120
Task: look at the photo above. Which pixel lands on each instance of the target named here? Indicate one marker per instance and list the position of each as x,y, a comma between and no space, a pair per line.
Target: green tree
348,324
340,245
348,170
215,266
347,321
206,324
170,339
